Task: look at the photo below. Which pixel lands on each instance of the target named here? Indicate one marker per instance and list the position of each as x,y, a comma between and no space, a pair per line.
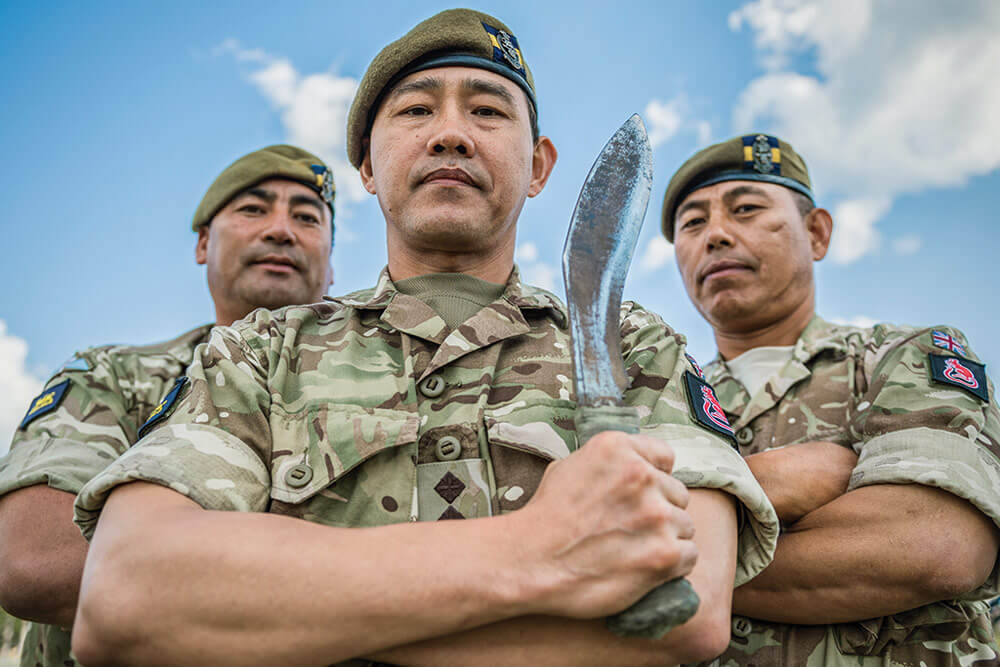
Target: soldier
877,446
445,392
265,231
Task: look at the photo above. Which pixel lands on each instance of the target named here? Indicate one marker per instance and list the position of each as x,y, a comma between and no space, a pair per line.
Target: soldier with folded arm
265,232
394,475
877,446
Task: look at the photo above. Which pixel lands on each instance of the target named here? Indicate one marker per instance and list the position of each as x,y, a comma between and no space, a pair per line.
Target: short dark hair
803,203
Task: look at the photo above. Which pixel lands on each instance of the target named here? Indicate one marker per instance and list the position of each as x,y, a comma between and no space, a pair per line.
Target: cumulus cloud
664,120
313,110
854,233
657,254
899,100
17,385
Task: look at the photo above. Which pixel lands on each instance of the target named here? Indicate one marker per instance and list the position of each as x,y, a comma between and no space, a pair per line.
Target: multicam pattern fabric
871,389
367,410
112,390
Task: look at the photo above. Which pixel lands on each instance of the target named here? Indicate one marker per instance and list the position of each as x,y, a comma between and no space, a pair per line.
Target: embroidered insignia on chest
505,49
960,372
947,342
762,154
161,411
45,403
705,406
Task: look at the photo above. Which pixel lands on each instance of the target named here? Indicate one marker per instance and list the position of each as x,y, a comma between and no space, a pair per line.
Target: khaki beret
281,161
752,157
455,37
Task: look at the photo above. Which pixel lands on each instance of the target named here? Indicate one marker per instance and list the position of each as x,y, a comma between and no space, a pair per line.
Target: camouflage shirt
88,415
874,390
367,410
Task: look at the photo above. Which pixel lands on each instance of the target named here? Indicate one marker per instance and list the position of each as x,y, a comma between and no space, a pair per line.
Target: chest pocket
343,465
522,442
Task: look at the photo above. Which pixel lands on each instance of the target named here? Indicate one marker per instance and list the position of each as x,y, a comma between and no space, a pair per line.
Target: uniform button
299,476
741,626
432,386
448,448
745,435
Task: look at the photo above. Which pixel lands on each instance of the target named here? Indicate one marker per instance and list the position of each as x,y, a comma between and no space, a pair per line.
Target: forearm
874,551
42,553
260,603
547,640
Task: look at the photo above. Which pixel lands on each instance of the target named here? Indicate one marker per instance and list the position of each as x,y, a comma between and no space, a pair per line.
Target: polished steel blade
599,246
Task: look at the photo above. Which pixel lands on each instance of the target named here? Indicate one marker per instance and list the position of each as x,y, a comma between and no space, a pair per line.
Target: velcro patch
163,409
45,402
960,372
705,406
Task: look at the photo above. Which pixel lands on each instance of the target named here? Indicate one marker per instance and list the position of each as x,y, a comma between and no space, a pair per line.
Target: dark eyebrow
296,200
736,192
692,203
488,88
426,83
260,193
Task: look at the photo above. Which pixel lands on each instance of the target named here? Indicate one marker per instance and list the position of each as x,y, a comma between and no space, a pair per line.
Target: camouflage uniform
368,411
871,390
112,390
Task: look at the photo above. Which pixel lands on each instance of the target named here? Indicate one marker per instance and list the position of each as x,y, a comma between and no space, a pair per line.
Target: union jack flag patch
947,342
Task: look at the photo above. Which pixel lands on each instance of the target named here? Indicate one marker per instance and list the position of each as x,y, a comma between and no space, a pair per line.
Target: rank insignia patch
705,405
761,154
163,409
960,372
505,49
947,342
45,402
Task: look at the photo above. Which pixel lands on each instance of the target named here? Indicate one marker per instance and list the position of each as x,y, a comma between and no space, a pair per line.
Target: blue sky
117,116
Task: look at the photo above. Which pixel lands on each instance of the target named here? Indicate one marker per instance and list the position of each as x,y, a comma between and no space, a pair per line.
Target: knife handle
669,604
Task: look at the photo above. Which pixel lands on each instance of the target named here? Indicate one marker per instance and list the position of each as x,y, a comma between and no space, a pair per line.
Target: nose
451,134
718,233
278,228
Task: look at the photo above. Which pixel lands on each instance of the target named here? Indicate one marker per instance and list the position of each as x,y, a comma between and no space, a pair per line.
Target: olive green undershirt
455,297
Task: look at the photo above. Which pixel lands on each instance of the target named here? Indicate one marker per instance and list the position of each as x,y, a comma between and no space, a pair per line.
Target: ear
542,162
201,247
367,174
819,225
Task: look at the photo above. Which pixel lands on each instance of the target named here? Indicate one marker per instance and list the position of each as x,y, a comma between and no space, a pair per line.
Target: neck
785,331
493,266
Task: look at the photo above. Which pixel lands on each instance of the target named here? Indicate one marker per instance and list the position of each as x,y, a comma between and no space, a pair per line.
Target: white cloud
901,102
526,252
657,254
541,274
664,120
862,321
907,245
313,111
17,385
704,131
854,233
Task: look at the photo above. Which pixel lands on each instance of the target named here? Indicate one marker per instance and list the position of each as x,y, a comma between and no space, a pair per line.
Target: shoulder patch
705,406
960,372
947,342
695,366
163,409
45,402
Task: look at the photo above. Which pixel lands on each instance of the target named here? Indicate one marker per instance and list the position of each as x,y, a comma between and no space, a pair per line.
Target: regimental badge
695,366
947,342
761,154
324,181
45,403
161,411
960,372
706,408
506,50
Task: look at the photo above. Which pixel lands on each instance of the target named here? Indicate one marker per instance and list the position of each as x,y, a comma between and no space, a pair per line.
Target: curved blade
599,246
